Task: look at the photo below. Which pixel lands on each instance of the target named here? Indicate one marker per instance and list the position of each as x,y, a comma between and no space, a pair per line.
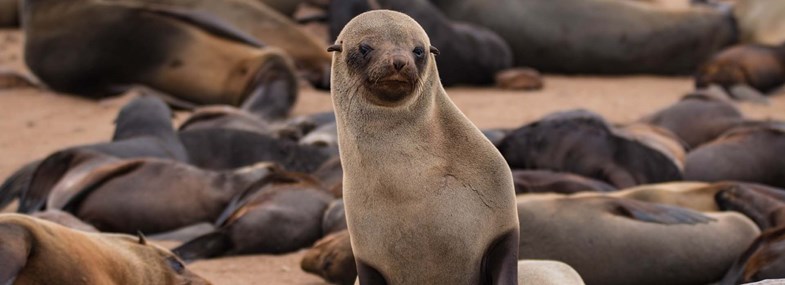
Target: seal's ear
335,47
142,239
434,50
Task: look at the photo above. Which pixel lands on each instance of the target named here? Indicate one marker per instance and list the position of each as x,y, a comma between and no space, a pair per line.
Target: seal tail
209,245
17,184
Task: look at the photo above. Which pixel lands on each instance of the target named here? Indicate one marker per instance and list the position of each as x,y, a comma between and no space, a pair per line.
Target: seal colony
406,149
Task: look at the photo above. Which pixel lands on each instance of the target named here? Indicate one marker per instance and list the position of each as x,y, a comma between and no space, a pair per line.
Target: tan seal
35,251
411,159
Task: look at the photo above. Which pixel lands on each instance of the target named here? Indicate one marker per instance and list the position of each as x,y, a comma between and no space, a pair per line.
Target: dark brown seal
742,154
758,66
470,54
598,36
100,48
697,118
39,252
149,195
543,181
764,259
282,217
582,142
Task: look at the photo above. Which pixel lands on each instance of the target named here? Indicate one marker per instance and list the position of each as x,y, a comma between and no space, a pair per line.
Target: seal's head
383,55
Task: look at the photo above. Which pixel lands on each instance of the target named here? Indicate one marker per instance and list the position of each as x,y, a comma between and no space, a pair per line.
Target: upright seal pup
599,36
406,149
34,251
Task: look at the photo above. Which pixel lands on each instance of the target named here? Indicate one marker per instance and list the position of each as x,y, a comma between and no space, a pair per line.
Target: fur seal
39,252
764,258
147,194
742,154
64,219
282,217
470,54
671,245
254,18
599,36
399,134
547,272
332,259
543,181
9,13
579,230
192,56
752,65
760,21
220,149
143,128
697,118
583,143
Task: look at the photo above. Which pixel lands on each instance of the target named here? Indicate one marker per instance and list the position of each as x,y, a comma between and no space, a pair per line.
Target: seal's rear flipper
44,178
17,184
210,245
500,263
747,93
658,213
14,249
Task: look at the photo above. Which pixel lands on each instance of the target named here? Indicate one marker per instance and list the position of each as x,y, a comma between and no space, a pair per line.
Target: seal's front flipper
500,263
210,245
658,213
368,275
14,249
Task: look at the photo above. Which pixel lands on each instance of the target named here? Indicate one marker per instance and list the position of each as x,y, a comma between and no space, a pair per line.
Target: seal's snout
399,62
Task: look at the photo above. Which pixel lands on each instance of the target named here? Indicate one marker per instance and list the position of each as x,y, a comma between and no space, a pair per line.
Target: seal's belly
442,236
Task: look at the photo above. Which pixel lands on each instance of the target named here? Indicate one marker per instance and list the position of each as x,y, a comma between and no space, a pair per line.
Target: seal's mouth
390,89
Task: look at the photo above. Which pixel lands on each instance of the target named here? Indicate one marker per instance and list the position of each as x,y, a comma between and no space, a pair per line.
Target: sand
34,123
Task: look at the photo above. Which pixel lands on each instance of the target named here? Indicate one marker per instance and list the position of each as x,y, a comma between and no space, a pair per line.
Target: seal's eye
418,51
365,49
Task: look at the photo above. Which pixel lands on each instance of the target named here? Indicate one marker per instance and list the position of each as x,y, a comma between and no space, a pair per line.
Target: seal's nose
399,63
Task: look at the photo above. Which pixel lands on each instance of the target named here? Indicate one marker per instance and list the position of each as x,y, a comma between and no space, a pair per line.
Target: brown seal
742,154
600,227
470,54
281,217
757,66
73,47
583,143
398,134
9,13
40,252
254,18
543,181
599,36
148,194
697,118
766,206
143,128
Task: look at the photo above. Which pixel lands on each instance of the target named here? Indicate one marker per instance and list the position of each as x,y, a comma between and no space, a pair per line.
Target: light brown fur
406,149
595,236
47,253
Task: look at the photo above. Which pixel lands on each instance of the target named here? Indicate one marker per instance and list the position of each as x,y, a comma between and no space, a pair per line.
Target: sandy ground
33,123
